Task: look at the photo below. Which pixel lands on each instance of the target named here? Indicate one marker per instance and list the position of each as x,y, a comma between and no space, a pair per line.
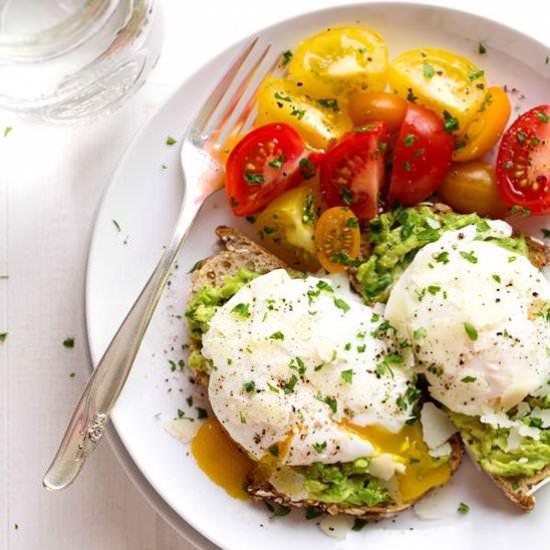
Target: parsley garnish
68,342
497,278
482,226
481,48
330,401
201,413
289,386
468,379
281,97
450,124
249,387
253,179
352,222
278,162
7,130
442,258
241,310
320,447
543,117
329,104
463,508
170,140
273,388
476,74
287,56
277,335
117,225
427,70
420,333
470,256
298,113
524,212
341,304
309,216
409,140
358,524
307,168
406,166
274,449
3,336
346,195
347,375
470,330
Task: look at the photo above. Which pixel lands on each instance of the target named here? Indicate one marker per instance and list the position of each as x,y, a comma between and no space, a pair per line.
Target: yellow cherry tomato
445,82
339,60
286,226
471,187
485,129
365,107
318,121
337,238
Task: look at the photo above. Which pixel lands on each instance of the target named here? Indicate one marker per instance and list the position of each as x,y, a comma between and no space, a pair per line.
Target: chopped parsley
289,386
524,212
352,222
278,162
358,524
469,256
281,97
287,56
450,124
420,333
468,379
406,166
68,342
274,449
463,508
434,289
312,513
249,387
427,70
471,331
442,258
298,113
242,310
329,104
273,388
201,413
482,226
298,365
253,179
347,375
481,48
542,116
307,168
409,140
327,400
497,278
341,304
308,216
3,336
117,225
7,130
170,140
277,336
476,74
319,447
346,196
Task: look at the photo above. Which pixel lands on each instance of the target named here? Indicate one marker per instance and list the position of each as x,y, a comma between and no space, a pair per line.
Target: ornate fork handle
91,414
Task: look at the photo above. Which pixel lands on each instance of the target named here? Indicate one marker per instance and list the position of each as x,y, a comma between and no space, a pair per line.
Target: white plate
144,198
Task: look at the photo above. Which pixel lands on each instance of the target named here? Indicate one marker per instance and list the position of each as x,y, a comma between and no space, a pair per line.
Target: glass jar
66,60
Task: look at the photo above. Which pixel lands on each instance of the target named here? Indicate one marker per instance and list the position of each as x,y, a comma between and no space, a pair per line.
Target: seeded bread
241,252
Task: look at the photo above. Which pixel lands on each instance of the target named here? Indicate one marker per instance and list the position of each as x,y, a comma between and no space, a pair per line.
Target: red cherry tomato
523,162
261,167
422,156
352,171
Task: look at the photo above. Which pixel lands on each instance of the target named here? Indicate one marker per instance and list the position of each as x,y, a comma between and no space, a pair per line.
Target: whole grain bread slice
241,252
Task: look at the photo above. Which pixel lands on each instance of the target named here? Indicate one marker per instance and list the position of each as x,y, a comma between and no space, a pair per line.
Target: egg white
252,366
461,282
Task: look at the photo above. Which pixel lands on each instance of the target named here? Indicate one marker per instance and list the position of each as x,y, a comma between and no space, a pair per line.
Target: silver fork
227,110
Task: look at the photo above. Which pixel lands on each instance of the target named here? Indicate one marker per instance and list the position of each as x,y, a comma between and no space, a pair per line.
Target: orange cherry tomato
472,187
337,239
365,107
485,129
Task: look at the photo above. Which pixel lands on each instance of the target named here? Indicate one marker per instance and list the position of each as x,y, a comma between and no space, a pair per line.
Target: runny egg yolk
422,471
219,457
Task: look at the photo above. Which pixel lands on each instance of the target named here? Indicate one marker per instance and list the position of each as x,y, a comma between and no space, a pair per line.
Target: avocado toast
341,488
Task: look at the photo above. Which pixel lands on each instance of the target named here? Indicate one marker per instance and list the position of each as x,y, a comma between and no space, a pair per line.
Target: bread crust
241,252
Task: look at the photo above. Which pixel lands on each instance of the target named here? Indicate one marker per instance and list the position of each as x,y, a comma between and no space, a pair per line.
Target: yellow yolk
422,471
219,457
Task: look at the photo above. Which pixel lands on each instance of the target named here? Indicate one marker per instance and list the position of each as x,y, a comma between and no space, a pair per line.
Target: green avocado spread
203,306
395,237
347,483
489,444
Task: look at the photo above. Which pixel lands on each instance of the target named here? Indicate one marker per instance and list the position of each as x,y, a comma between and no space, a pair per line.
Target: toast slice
241,252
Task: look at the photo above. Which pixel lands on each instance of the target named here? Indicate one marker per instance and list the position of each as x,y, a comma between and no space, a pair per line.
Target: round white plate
144,197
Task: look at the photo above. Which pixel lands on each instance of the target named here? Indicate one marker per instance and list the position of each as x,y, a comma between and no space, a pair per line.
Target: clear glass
68,60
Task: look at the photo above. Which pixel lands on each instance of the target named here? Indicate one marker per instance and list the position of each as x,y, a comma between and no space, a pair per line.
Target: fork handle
104,386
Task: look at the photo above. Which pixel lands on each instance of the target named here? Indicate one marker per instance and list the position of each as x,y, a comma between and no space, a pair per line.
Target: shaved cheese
183,429
523,409
498,420
442,450
543,414
514,440
336,527
436,426
529,431
289,482
384,467
345,66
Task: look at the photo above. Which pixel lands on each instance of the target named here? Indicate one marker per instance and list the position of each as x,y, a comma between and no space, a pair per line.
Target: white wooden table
51,182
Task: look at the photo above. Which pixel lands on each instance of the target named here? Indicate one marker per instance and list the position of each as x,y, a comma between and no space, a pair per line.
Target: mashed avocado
203,306
488,444
395,238
347,483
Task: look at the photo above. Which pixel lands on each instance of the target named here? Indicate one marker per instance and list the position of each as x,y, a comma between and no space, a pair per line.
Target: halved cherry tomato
286,226
260,167
318,121
365,107
337,238
485,129
422,157
445,82
339,60
352,171
523,162
472,187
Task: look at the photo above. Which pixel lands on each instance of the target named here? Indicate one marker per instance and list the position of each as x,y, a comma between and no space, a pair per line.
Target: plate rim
186,529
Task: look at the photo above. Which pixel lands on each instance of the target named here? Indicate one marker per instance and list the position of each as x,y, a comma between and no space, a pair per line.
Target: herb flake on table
3,336
7,130
117,225
68,343
171,141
